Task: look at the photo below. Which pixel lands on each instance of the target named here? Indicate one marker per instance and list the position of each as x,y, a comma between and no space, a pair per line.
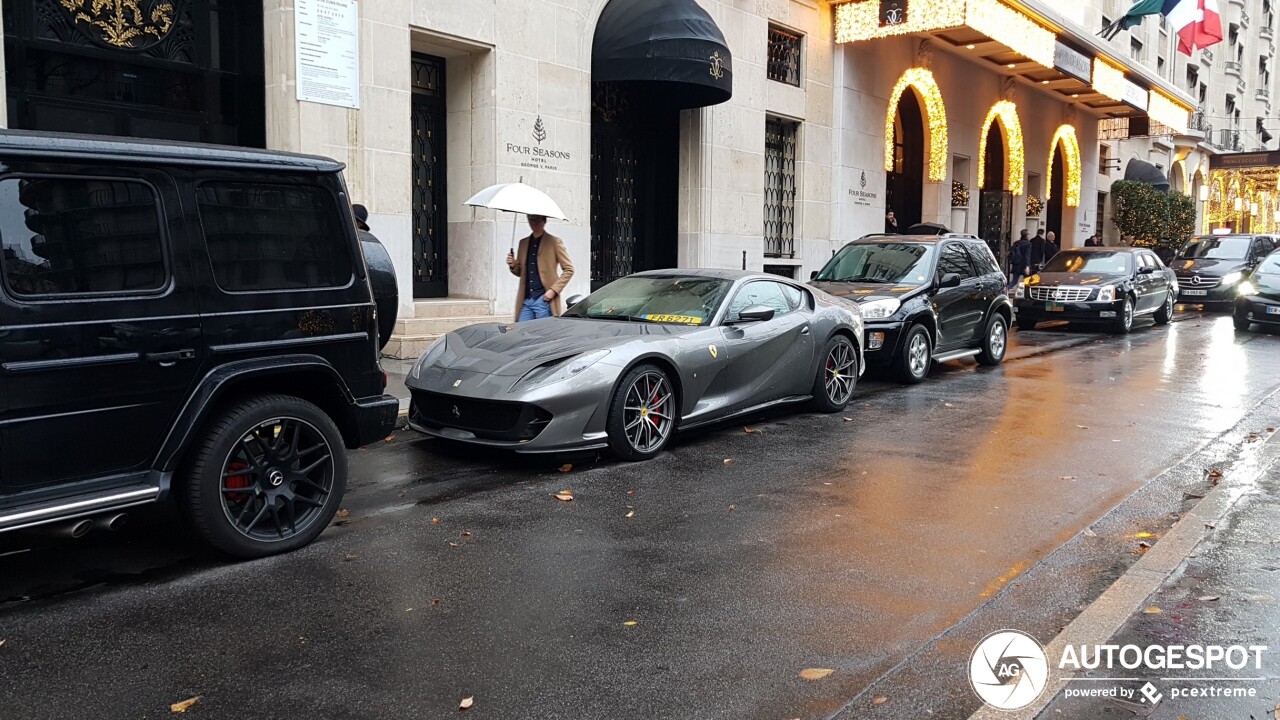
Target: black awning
1144,172
673,46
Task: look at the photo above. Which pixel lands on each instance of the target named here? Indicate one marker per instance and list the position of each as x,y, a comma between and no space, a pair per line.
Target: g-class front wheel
266,478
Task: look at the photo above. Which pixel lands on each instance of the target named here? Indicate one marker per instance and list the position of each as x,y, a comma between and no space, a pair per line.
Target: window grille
780,187
784,56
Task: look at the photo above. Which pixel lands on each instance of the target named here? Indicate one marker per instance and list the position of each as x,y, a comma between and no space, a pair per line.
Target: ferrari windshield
890,263
1234,247
1110,263
671,299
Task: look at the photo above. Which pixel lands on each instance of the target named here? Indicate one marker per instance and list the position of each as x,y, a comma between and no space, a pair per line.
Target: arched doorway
1057,181
904,184
995,218
1064,181
650,60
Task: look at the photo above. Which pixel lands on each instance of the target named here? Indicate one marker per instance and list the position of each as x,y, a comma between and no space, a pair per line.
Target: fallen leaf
408,609
436,601
1261,598
181,707
1153,610
466,703
1271,430
1207,526
631,492
732,508
1,642
1145,545
1083,427
1215,473
453,545
350,557
1145,535
1088,532
564,496
566,468
728,461
630,623
631,514
947,405
815,673
343,513
751,430
879,700
1208,598
848,419
435,521
1067,477
390,438
466,533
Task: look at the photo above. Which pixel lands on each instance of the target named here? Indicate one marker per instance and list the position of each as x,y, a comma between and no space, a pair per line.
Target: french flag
1197,23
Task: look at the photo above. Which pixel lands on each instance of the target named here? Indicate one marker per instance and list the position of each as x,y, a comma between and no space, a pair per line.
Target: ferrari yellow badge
456,383
714,351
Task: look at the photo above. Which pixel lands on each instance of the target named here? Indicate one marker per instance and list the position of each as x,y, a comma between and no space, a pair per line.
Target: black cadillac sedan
1259,295
1109,285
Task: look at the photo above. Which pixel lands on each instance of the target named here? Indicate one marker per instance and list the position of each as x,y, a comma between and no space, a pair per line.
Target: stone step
408,347
451,307
441,325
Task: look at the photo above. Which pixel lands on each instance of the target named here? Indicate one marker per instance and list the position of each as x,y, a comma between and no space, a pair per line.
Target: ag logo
717,65
1008,670
714,352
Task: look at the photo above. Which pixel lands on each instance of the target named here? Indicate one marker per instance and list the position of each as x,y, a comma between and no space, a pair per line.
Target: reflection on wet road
842,542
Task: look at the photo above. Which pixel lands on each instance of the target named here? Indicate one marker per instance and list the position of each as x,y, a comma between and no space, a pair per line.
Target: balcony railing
1264,94
1206,56
1238,3
1244,19
1232,68
1266,32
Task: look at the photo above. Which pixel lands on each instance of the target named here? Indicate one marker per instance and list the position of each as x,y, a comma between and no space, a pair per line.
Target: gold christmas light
1015,168
1108,79
923,83
1167,111
856,21
1066,135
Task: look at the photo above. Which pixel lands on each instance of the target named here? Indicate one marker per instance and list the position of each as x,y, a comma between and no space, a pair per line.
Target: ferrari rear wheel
837,376
642,415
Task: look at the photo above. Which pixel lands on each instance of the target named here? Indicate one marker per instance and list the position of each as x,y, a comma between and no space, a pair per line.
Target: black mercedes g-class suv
182,321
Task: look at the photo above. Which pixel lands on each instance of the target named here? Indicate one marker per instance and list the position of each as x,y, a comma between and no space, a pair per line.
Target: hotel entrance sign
327,51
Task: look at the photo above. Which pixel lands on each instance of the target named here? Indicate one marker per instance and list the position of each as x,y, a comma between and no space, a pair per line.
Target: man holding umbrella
542,263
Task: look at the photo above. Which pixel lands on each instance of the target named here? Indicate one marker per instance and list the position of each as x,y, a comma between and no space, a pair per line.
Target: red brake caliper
237,481
653,419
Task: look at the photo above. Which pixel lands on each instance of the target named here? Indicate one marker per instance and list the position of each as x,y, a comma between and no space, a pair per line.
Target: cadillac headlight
1232,278
1247,288
1107,293
432,354
879,309
560,371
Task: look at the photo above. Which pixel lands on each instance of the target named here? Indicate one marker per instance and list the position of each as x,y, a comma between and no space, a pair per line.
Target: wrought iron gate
995,222
430,216
613,186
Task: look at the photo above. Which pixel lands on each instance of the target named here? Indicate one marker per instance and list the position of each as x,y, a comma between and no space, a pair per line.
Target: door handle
168,359
804,330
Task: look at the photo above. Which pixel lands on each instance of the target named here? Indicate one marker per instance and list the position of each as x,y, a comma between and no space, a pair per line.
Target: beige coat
554,268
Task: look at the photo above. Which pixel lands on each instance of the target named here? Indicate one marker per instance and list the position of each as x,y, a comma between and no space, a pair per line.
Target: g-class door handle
168,359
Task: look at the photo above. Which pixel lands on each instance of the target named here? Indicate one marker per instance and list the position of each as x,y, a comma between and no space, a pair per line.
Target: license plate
1195,293
1054,307
1273,311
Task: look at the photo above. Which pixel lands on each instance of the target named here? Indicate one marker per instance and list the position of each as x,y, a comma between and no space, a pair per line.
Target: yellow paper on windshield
679,319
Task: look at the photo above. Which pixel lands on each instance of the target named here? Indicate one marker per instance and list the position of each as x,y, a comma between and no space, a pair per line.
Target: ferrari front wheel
642,414
837,376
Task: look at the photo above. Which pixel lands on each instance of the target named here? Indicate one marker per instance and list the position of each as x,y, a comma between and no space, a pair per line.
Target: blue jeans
534,308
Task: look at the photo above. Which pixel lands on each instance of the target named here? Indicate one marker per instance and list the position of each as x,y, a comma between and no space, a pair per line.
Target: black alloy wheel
267,477
837,376
995,341
1164,315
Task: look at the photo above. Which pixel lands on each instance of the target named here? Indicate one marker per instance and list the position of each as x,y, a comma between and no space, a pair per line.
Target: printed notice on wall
327,51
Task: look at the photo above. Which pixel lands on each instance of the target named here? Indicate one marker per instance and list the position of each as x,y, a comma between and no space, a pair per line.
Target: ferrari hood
865,292
514,349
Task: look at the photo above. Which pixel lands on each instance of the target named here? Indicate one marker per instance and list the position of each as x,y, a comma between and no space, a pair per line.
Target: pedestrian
362,224
1019,260
544,268
1036,256
890,223
1051,246
1094,240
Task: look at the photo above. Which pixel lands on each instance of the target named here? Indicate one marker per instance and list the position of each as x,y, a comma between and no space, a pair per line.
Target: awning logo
1008,670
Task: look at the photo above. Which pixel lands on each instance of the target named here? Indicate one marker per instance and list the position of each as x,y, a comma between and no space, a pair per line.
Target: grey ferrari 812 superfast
637,360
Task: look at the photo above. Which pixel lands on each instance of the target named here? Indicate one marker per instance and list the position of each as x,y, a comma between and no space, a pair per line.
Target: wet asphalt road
866,543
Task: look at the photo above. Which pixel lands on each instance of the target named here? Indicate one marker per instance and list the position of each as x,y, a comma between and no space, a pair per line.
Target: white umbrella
517,198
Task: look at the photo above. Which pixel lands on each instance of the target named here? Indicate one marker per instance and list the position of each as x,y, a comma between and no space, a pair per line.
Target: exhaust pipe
74,529
112,522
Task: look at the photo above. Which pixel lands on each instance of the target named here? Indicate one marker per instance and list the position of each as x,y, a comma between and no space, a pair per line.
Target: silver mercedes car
641,358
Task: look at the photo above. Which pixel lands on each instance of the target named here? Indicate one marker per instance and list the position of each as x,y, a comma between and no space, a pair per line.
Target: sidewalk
1227,592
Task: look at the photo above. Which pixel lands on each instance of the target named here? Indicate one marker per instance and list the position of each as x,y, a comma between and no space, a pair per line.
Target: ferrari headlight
559,372
432,354
878,309
1107,293
1232,278
1247,288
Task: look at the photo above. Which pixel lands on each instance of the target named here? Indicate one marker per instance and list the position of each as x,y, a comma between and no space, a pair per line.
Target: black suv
1209,267
924,298
181,321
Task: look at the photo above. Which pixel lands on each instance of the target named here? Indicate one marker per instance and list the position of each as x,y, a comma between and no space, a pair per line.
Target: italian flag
1197,23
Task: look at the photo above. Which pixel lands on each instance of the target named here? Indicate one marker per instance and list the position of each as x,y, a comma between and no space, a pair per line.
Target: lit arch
926,88
1015,168
1066,135
1181,165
